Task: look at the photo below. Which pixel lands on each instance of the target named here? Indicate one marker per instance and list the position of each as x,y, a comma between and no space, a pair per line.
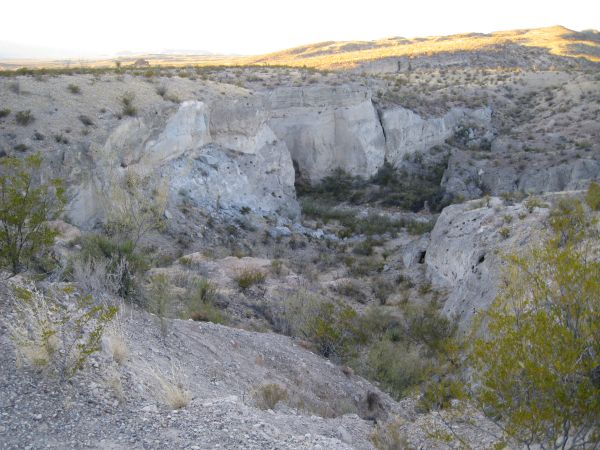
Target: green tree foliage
26,206
536,364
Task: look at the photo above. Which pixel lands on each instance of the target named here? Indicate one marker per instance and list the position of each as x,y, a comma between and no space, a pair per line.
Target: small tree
25,209
536,364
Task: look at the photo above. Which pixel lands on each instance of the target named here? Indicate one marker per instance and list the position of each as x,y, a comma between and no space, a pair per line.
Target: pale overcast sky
259,26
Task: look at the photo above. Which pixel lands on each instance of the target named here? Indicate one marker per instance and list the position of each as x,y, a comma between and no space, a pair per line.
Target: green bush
389,187
249,277
397,367
26,206
200,299
4,113
592,197
535,368
333,328
74,89
128,109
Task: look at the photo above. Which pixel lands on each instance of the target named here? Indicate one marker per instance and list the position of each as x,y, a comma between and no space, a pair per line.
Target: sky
107,27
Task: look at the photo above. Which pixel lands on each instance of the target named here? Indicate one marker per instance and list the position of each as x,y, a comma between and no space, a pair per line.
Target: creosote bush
535,366
26,206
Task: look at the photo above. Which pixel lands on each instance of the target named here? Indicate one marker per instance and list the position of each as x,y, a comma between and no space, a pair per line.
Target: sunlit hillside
557,41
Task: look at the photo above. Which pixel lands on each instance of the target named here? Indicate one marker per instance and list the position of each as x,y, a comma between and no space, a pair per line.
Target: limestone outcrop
464,255
229,160
406,132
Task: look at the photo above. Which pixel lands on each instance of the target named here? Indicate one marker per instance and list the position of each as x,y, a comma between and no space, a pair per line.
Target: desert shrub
427,326
397,367
127,107
535,368
158,300
333,328
199,299
534,202
115,344
26,206
161,91
409,190
351,289
74,89
123,262
372,224
4,113
249,277
24,117
592,197
382,290
438,392
57,334
97,277
504,232
388,436
268,395
136,207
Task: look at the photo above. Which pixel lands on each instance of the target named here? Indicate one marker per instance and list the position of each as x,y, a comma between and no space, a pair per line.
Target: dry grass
115,344
33,332
268,395
113,382
171,388
388,436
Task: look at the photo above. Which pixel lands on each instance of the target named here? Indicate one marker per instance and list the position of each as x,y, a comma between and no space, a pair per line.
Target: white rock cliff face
327,129
406,132
241,163
464,255
239,151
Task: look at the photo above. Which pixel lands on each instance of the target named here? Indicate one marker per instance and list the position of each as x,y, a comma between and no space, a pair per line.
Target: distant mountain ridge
545,46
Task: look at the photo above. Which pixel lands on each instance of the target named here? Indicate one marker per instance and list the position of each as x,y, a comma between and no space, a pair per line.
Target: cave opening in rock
422,257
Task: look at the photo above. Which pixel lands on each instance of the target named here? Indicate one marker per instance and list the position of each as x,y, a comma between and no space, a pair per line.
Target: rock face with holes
464,255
